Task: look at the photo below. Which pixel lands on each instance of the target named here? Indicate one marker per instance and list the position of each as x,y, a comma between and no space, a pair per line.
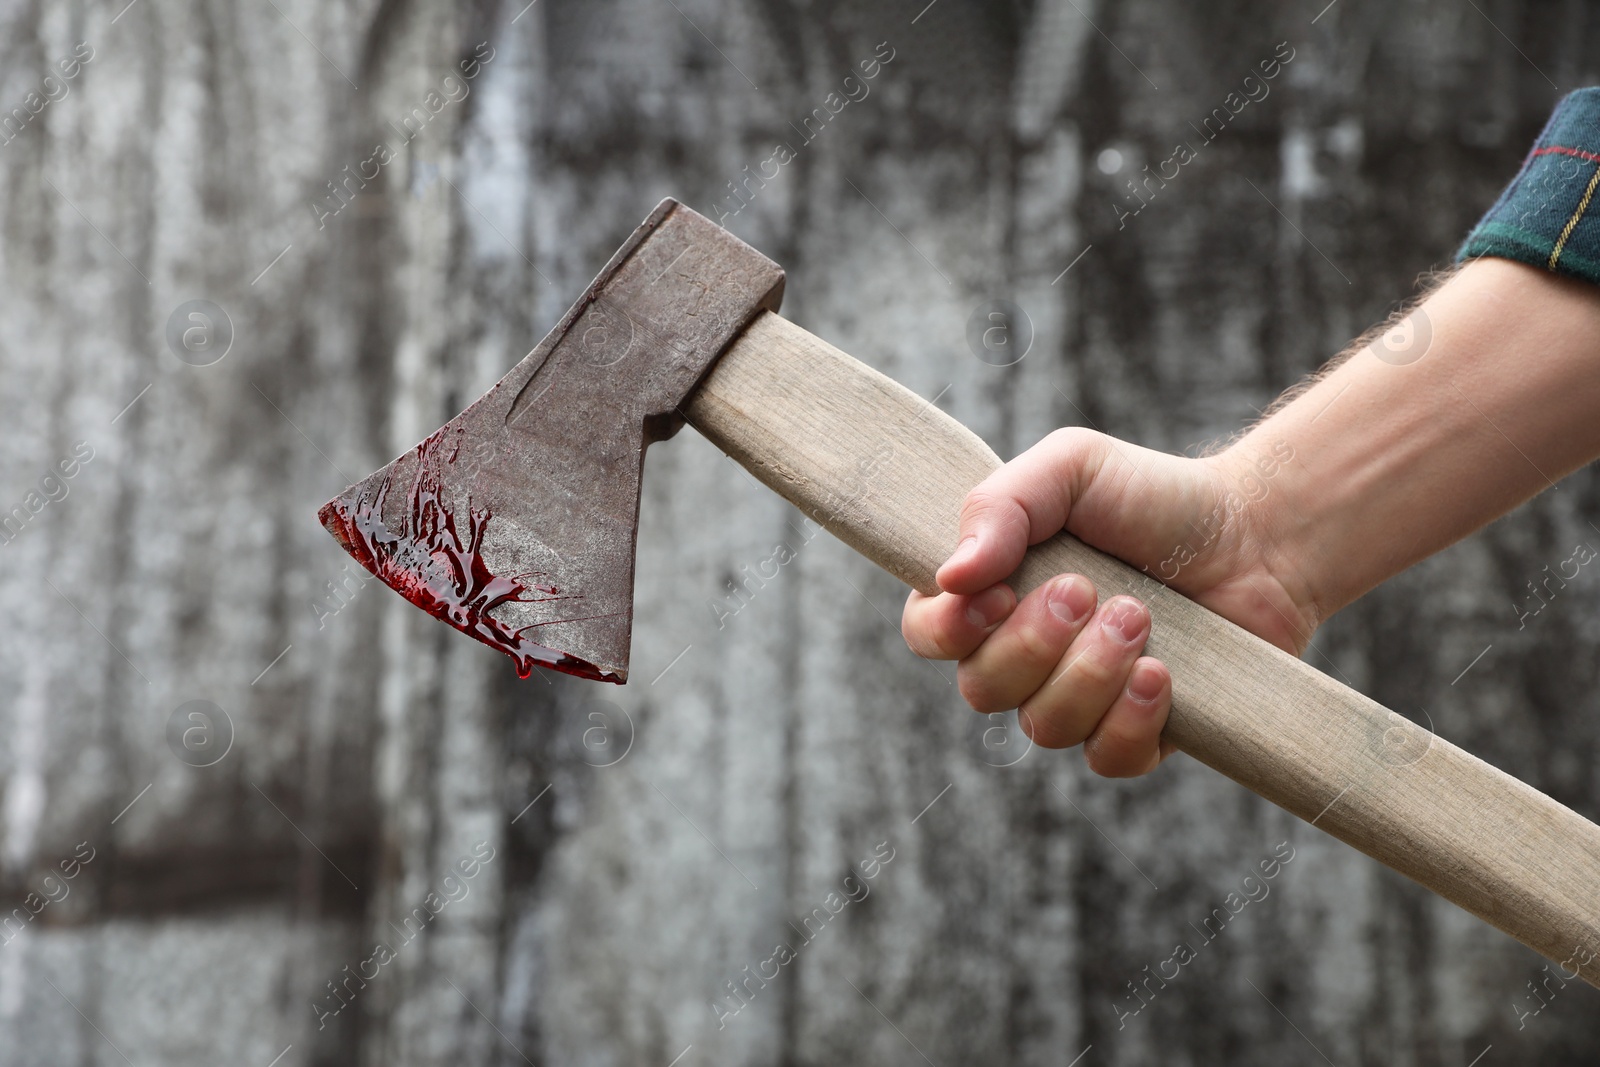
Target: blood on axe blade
516,521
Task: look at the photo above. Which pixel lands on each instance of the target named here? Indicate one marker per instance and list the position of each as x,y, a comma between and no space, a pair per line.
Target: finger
1066,709
1128,742
949,626
1022,653
1022,503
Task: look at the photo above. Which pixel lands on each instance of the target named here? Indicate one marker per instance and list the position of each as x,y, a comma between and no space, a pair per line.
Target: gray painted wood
784,745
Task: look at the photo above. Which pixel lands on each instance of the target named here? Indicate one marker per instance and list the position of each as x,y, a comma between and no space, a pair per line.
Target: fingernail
989,607
1145,686
1072,598
964,551
1125,619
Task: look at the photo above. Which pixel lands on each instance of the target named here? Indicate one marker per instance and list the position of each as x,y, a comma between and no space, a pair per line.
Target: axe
516,524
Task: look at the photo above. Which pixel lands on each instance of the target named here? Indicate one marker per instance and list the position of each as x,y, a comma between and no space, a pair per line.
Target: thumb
1024,502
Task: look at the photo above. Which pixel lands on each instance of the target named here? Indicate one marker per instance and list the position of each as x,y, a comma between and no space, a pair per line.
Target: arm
1388,462
1399,461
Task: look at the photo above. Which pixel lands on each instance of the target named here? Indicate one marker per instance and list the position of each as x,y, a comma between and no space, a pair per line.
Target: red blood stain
430,565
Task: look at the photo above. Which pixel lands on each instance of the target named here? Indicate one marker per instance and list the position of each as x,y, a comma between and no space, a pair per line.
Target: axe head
516,521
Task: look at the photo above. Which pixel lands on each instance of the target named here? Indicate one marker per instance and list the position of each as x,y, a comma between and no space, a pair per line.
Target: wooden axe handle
886,472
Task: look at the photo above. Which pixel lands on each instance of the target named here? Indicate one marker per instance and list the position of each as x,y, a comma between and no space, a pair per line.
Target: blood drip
430,565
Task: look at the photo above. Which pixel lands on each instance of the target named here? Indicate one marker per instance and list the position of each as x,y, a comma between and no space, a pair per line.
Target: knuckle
923,639
909,627
933,628
1094,754
942,646
1070,735
978,689
987,507
1034,645
911,630
1073,442
1032,725
980,503
1067,437
1095,672
1057,728
992,507
1108,755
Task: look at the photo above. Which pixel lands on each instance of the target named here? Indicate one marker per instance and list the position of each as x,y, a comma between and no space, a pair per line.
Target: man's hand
1072,666
1487,397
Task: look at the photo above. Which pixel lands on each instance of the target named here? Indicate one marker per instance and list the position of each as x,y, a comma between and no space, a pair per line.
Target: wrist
1267,473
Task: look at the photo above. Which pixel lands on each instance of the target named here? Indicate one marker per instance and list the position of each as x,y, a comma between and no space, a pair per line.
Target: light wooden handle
886,472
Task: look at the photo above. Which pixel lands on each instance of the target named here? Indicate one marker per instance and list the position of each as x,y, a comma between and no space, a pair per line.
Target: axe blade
516,522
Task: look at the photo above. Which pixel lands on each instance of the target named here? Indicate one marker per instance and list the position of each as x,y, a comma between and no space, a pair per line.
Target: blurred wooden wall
649,843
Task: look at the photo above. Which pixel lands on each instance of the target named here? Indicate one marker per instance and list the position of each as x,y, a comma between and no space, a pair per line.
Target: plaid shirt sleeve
1547,215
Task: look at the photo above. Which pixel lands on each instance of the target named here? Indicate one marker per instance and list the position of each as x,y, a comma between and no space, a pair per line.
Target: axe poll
516,523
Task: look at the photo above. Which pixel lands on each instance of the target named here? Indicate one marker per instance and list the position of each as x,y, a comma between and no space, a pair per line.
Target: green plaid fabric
1547,215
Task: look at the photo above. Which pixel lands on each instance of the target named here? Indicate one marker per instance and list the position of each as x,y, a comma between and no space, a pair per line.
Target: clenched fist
1070,664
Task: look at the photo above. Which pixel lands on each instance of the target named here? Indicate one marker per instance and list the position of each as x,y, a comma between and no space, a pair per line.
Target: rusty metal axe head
516,521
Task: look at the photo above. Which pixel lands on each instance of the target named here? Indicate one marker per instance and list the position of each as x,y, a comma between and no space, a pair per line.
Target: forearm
1396,460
